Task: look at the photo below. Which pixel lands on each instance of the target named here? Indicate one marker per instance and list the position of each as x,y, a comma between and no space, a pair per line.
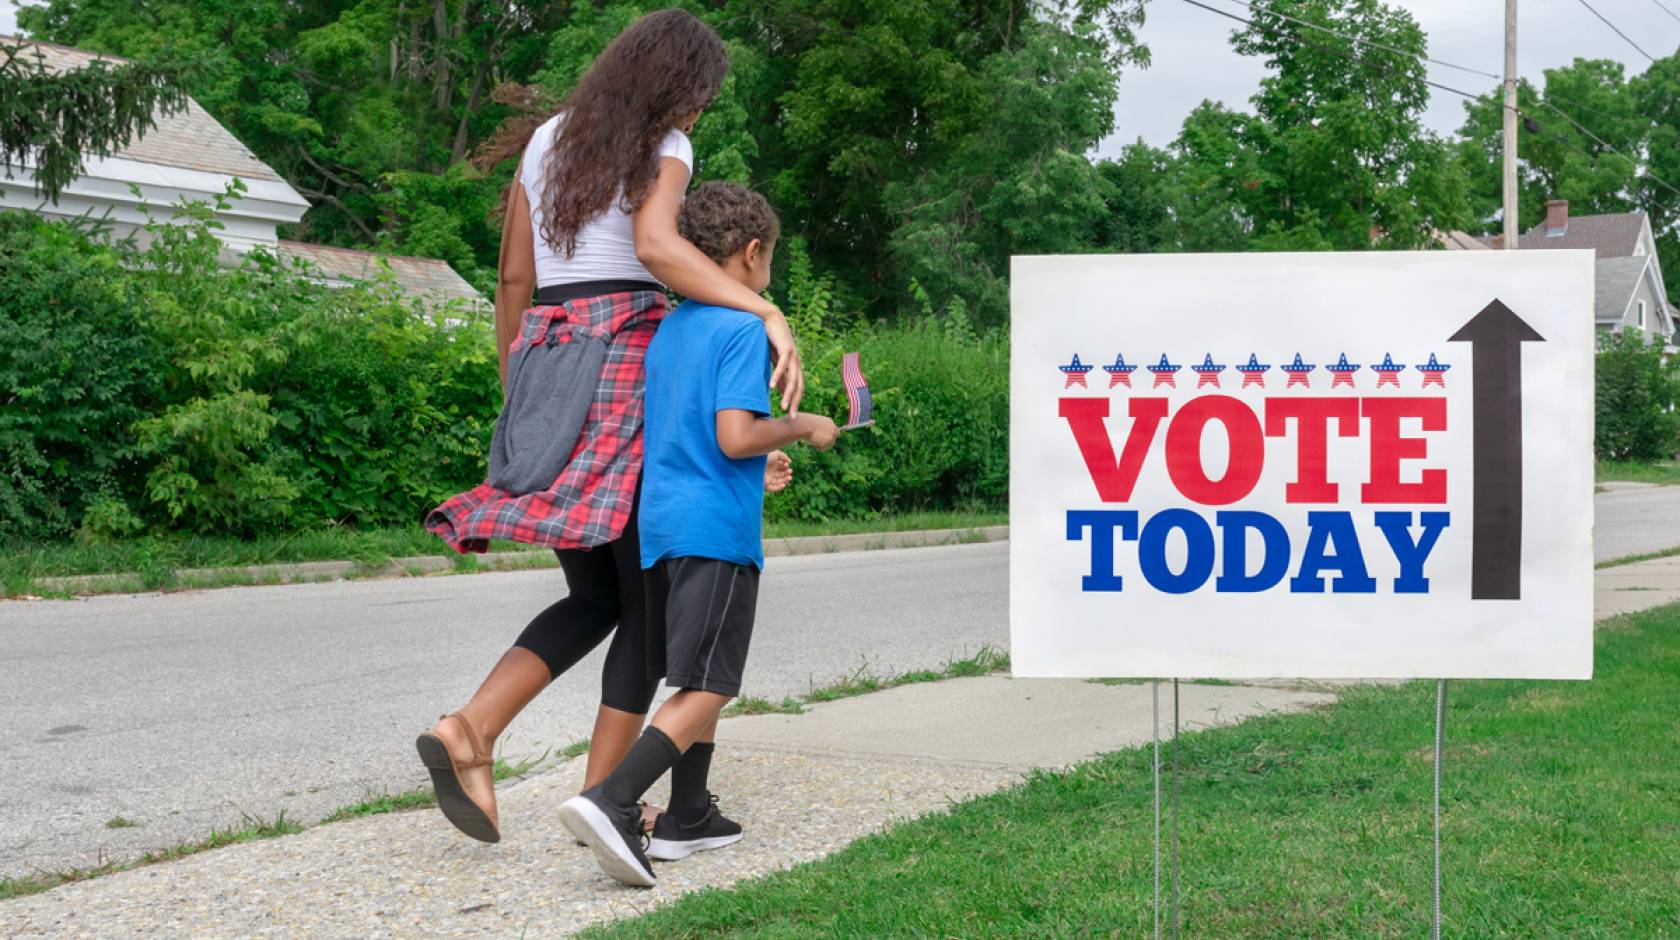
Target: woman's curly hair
722,218
664,67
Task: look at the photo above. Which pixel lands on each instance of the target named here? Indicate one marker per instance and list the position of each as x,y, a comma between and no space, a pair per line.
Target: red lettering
1184,450
1388,448
1086,417
1312,420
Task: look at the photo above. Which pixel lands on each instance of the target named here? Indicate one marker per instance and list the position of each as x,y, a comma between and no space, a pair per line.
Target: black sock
688,778
649,758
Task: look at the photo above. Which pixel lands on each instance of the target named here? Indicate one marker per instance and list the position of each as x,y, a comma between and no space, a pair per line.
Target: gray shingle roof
190,138
1611,236
1461,241
1614,282
424,278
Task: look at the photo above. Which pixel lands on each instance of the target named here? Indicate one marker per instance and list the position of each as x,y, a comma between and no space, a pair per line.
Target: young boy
708,428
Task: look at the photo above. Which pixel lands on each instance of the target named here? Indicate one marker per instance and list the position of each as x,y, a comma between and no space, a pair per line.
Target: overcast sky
1193,61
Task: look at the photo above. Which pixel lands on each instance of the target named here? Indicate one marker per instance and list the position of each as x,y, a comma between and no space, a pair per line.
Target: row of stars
1254,372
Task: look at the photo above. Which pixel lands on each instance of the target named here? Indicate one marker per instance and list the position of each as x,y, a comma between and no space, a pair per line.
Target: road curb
419,565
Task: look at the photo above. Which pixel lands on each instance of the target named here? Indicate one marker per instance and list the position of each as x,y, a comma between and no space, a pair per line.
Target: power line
1661,6
1433,84
1606,145
1357,40
1617,30
1559,137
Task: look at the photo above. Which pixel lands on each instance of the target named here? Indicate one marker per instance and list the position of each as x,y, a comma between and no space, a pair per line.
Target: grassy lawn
1666,472
1562,819
155,559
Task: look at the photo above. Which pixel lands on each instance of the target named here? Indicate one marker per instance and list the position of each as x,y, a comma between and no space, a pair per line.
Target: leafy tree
1634,404
343,98
1023,187
1557,159
1335,155
1656,97
60,118
1586,130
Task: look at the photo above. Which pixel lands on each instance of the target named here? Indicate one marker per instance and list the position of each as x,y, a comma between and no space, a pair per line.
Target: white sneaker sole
585,820
667,850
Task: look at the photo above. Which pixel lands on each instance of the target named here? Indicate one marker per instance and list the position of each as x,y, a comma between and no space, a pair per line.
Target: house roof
426,278
1610,236
1614,282
1461,241
190,138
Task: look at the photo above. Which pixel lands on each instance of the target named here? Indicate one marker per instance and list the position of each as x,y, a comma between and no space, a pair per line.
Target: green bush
76,369
160,388
941,394
1635,400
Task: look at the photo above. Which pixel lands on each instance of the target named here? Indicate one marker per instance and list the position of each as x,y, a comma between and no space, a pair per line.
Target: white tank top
606,250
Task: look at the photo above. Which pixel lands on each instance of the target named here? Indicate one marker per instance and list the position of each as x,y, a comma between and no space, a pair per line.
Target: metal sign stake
1155,725
1174,802
1440,735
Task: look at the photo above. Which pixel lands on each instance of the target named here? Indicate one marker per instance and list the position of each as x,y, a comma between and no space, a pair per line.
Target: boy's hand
778,472
820,431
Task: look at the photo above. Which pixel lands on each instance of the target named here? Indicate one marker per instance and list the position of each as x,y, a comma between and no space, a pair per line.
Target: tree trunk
440,28
459,149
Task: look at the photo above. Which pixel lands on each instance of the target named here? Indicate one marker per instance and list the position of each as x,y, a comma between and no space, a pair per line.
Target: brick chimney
1557,216
1498,242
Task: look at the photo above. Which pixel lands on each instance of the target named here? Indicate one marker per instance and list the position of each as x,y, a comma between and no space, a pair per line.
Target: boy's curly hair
721,218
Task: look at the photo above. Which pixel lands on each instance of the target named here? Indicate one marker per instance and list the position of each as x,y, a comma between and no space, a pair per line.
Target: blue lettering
1332,530
1396,527
1102,523
1152,551
1274,554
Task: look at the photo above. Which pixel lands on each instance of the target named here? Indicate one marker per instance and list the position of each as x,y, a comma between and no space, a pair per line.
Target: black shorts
700,622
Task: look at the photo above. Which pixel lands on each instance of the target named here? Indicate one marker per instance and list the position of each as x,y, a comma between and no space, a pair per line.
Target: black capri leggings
605,588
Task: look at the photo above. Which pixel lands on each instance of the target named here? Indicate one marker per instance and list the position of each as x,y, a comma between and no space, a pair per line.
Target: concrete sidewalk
804,786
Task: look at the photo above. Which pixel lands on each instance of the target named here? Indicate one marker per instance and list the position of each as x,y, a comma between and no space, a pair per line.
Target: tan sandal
459,808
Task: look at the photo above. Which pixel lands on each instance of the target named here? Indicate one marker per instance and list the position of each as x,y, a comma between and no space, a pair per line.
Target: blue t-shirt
698,502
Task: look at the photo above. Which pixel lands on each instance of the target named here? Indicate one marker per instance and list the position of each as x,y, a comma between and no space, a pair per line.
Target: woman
591,224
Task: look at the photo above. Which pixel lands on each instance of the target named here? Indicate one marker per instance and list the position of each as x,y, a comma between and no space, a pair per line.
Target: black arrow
1496,336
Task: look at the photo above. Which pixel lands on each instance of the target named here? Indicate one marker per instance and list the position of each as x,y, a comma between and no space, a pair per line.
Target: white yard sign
1321,465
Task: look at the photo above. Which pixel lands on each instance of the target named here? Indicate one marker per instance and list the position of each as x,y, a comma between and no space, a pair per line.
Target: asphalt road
184,712
1634,520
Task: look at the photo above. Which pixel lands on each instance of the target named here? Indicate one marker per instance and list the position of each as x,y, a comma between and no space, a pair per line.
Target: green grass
1561,820
155,561
381,803
861,682
252,829
751,705
1630,559
909,522
1665,472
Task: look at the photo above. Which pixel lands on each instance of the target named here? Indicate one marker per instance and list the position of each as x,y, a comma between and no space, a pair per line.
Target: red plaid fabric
589,503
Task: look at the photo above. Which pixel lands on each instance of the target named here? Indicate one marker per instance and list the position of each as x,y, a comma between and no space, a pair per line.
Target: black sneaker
647,827
613,833
681,833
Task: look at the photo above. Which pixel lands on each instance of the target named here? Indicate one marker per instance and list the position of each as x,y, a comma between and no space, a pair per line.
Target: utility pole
1510,211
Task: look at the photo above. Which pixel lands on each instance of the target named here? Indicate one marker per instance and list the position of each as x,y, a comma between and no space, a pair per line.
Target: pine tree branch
58,118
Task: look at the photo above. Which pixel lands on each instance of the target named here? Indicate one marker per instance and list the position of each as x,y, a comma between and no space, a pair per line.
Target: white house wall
1656,319
107,189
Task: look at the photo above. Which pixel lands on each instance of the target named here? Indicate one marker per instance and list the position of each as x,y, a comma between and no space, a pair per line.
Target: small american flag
857,392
